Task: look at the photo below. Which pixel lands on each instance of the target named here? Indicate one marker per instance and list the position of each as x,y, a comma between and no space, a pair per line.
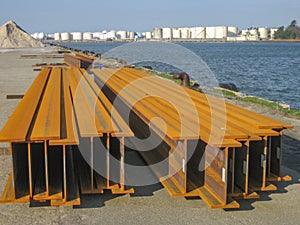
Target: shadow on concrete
291,161
39,204
95,201
291,153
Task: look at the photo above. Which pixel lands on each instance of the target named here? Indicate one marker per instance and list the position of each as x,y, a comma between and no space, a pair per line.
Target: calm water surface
268,70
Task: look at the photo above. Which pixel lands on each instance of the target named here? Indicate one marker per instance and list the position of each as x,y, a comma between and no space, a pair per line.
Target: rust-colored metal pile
79,60
240,151
52,122
71,124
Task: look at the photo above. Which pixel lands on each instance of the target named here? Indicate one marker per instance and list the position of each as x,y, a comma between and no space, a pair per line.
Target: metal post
92,163
108,161
64,173
122,169
247,168
46,167
270,155
265,162
233,168
29,169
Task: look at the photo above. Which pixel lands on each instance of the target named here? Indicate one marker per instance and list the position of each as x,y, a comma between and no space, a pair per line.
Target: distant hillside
13,36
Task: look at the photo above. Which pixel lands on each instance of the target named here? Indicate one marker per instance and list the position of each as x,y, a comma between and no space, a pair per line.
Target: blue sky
75,15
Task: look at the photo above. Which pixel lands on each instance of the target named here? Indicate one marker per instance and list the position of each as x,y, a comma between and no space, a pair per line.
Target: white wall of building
122,34
157,33
198,32
232,31
57,37
221,32
65,36
111,34
96,35
185,33
210,32
148,35
263,33
167,33
87,36
272,33
77,36
176,33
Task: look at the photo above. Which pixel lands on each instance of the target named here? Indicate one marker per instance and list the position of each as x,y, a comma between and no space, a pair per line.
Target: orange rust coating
213,117
71,136
148,108
233,112
61,99
47,124
243,114
118,122
19,122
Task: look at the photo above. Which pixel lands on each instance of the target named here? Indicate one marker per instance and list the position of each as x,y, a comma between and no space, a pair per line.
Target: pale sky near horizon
132,15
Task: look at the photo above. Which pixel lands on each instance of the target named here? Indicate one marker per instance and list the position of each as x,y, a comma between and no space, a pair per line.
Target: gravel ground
152,204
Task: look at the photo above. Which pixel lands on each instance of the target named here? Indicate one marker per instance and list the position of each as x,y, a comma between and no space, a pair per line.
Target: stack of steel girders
62,137
215,150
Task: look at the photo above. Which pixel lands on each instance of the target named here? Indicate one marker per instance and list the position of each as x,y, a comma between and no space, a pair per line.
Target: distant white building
148,35
77,36
230,33
198,32
157,33
57,37
96,35
167,33
241,38
102,36
39,36
263,33
130,35
253,38
253,32
233,31
221,32
176,33
273,32
210,32
245,32
122,34
65,36
185,33
250,34
87,36
111,35
50,36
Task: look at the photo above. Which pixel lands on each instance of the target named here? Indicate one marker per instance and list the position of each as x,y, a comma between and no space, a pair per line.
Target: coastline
116,63
178,40
237,97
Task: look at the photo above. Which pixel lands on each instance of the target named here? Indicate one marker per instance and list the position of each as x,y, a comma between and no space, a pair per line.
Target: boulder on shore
184,77
229,86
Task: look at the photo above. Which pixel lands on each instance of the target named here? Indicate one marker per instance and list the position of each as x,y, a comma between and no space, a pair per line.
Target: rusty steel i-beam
73,123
